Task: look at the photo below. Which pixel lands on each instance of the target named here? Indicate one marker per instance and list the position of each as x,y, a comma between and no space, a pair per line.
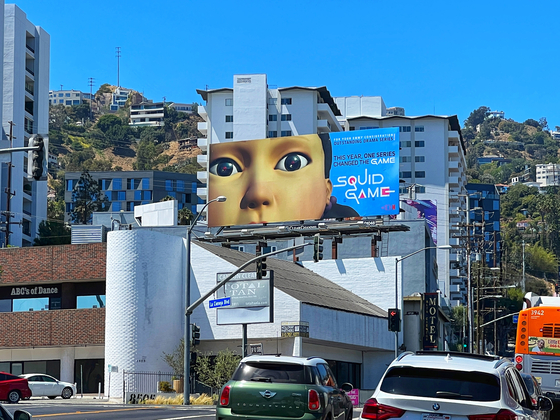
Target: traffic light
261,268
317,247
37,160
194,356
195,335
394,316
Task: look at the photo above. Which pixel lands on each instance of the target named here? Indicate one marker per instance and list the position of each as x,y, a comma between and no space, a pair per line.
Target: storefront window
5,305
34,304
93,301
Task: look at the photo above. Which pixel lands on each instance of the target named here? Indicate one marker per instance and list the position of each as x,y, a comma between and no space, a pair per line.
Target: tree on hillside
87,198
104,88
532,123
107,121
476,117
52,232
58,116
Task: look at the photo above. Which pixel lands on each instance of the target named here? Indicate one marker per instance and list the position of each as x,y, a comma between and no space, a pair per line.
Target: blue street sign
515,318
218,303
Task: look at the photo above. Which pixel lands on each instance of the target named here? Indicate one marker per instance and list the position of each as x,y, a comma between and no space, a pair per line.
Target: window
286,101
33,304
286,133
229,134
405,174
104,184
419,143
138,195
146,195
404,129
67,95
406,159
419,129
273,134
272,101
117,184
229,118
286,117
145,183
229,102
180,185
68,103
168,185
367,128
117,206
132,183
407,143
121,195
93,301
70,184
420,174
76,102
419,159
60,95
273,117
130,205
420,189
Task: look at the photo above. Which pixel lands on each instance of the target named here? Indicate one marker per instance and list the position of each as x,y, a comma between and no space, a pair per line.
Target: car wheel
66,393
349,414
52,397
13,397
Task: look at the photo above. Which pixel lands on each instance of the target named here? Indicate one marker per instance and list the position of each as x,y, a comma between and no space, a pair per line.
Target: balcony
323,126
453,165
202,160
202,176
202,111
454,181
202,143
453,150
203,128
202,193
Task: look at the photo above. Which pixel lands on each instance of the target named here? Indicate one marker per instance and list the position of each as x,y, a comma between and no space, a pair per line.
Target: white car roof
308,361
450,361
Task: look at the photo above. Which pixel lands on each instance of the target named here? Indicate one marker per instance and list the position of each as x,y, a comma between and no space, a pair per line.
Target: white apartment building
432,166
147,114
251,111
548,174
68,97
26,104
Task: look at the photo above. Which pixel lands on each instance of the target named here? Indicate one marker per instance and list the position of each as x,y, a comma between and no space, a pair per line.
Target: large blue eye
293,162
224,167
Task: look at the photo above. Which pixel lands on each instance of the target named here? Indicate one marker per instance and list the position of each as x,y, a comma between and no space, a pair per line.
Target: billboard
426,209
544,345
310,177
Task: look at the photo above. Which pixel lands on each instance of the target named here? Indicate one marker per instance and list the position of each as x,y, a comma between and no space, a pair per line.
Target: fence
147,383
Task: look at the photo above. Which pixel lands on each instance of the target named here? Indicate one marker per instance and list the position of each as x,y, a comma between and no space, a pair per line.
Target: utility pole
118,66
90,82
523,278
8,190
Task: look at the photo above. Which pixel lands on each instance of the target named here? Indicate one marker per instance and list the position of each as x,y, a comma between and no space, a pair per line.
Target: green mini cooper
274,387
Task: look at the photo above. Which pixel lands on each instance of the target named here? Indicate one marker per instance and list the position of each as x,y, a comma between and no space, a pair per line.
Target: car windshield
273,372
441,383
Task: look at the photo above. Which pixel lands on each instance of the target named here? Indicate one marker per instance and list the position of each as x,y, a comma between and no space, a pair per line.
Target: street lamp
397,261
186,338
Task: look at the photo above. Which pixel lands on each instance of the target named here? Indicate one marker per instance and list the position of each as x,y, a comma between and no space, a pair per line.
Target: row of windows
286,133
408,174
406,129
418,188
408,143
406,159
46,303
284,117
67,102
271,101
121,195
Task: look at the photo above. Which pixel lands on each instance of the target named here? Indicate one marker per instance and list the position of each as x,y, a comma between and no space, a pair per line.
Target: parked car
18,414
431,385
46,386
535,391
13,388
280,387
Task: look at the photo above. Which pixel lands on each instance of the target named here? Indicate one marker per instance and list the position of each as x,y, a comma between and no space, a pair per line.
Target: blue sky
443,57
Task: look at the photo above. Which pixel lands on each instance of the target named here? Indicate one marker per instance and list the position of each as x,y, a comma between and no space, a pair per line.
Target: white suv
435,385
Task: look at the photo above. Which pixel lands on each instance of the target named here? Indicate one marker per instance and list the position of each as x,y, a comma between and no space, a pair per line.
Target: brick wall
53,264
65,327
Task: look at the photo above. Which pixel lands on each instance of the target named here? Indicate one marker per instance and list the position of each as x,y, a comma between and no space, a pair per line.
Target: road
59,409
74,409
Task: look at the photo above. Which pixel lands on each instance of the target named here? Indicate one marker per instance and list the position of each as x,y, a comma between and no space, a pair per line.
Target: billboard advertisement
311,177
544,345
426,209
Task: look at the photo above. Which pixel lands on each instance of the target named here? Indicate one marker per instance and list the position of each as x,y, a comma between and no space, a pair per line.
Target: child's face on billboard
267,181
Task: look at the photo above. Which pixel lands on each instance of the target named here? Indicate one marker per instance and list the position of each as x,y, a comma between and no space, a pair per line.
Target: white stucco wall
145,295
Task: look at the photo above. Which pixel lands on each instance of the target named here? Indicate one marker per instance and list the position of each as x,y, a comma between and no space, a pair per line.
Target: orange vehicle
537,347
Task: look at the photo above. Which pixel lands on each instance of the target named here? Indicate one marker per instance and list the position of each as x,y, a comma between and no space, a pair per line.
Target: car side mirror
21,415
346,387
544,404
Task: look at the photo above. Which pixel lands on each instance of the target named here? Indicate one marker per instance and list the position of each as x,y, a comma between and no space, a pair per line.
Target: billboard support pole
244,340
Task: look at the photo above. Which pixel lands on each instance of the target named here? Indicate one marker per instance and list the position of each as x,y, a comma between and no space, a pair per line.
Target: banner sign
295,329
16,292
431,321
365,170
544,345
310,177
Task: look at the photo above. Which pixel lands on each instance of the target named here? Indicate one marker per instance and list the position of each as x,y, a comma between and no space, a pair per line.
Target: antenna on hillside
90,83
118,51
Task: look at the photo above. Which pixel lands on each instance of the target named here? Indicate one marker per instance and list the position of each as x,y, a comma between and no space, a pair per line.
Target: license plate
433,416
